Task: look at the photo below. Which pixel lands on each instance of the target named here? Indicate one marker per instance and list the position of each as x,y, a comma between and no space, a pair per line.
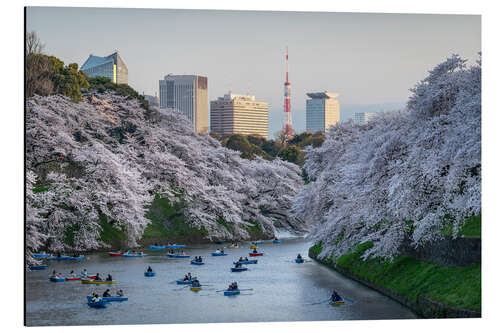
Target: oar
326,300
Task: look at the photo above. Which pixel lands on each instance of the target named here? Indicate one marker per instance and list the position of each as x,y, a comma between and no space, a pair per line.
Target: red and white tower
287,131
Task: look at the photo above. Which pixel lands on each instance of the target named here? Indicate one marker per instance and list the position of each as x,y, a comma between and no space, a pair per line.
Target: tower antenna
287,132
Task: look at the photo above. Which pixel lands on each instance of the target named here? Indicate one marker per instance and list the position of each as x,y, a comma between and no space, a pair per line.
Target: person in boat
255,251
199,259
84,273
109,278
335,297
190,277
97,277
96,298
72,274
186,278
54,272
241,259
222,251
238,265
120,293
246,258
156,244
59,255
275,238
196,282
299,256
150,269
106,293
217,251
235,285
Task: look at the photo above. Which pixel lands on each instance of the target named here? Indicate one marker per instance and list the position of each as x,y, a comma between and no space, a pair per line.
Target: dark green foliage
317,248
102,84
471,227
292,154
42,188
248,150
109,231
69,234
68,80
167,220
453,286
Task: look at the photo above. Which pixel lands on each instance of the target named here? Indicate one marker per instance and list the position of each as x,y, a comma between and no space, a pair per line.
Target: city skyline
371,60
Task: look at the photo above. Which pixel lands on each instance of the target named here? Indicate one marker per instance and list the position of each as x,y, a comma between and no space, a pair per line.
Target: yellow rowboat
195,288
337,303
254,247
234,247
97,282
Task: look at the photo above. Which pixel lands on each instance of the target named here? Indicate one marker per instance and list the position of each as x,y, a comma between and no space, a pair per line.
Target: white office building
322,111
189,95
361,118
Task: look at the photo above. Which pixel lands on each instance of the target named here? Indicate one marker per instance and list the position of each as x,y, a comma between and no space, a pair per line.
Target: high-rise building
361,118
189,95
322,111
239,114
113,67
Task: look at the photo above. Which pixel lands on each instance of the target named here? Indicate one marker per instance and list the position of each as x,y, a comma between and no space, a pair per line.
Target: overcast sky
371,60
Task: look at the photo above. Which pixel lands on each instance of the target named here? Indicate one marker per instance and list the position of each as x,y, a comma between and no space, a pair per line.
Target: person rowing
246,258
106,293
109,278
222,251
96,298
119,293
83,273
238,265
196,282
335,297
255,251
72,274
299,256
217,251
97,277
241,259
199,259
149,269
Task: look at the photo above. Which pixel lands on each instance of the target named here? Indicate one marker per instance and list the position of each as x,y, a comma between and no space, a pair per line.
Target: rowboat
175,246
184,282
110,299
99,304
66,258
149,273
134,255
197,262
157,247
231,292
37,268
176,256
57,279
73,278
115,254
276,241
337,303
97,282
254,247
299,260
215,254
40,255
256,254
234,247
247,262
238,269
258,242
195,288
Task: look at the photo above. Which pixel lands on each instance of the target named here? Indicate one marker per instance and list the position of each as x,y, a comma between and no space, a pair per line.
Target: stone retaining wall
424,307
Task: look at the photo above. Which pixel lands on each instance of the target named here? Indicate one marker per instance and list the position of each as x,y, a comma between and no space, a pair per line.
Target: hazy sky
371,60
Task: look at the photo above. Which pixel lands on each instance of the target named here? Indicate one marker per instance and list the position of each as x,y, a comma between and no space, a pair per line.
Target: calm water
283,290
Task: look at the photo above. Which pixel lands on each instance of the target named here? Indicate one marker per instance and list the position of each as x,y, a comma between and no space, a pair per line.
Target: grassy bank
458,287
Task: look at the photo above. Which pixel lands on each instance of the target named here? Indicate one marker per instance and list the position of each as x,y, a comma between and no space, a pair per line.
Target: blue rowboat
110,299
37,268
79,258
276,241
176,256
219,242
100,304
57,279
157,247
246,262
299,261
135,255
175,246
40,255
215,254
258,242
149,273
231,292
238,269
197,263
184,282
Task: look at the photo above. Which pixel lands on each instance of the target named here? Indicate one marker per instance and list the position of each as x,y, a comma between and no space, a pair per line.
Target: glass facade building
189,95
113,67
322,111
